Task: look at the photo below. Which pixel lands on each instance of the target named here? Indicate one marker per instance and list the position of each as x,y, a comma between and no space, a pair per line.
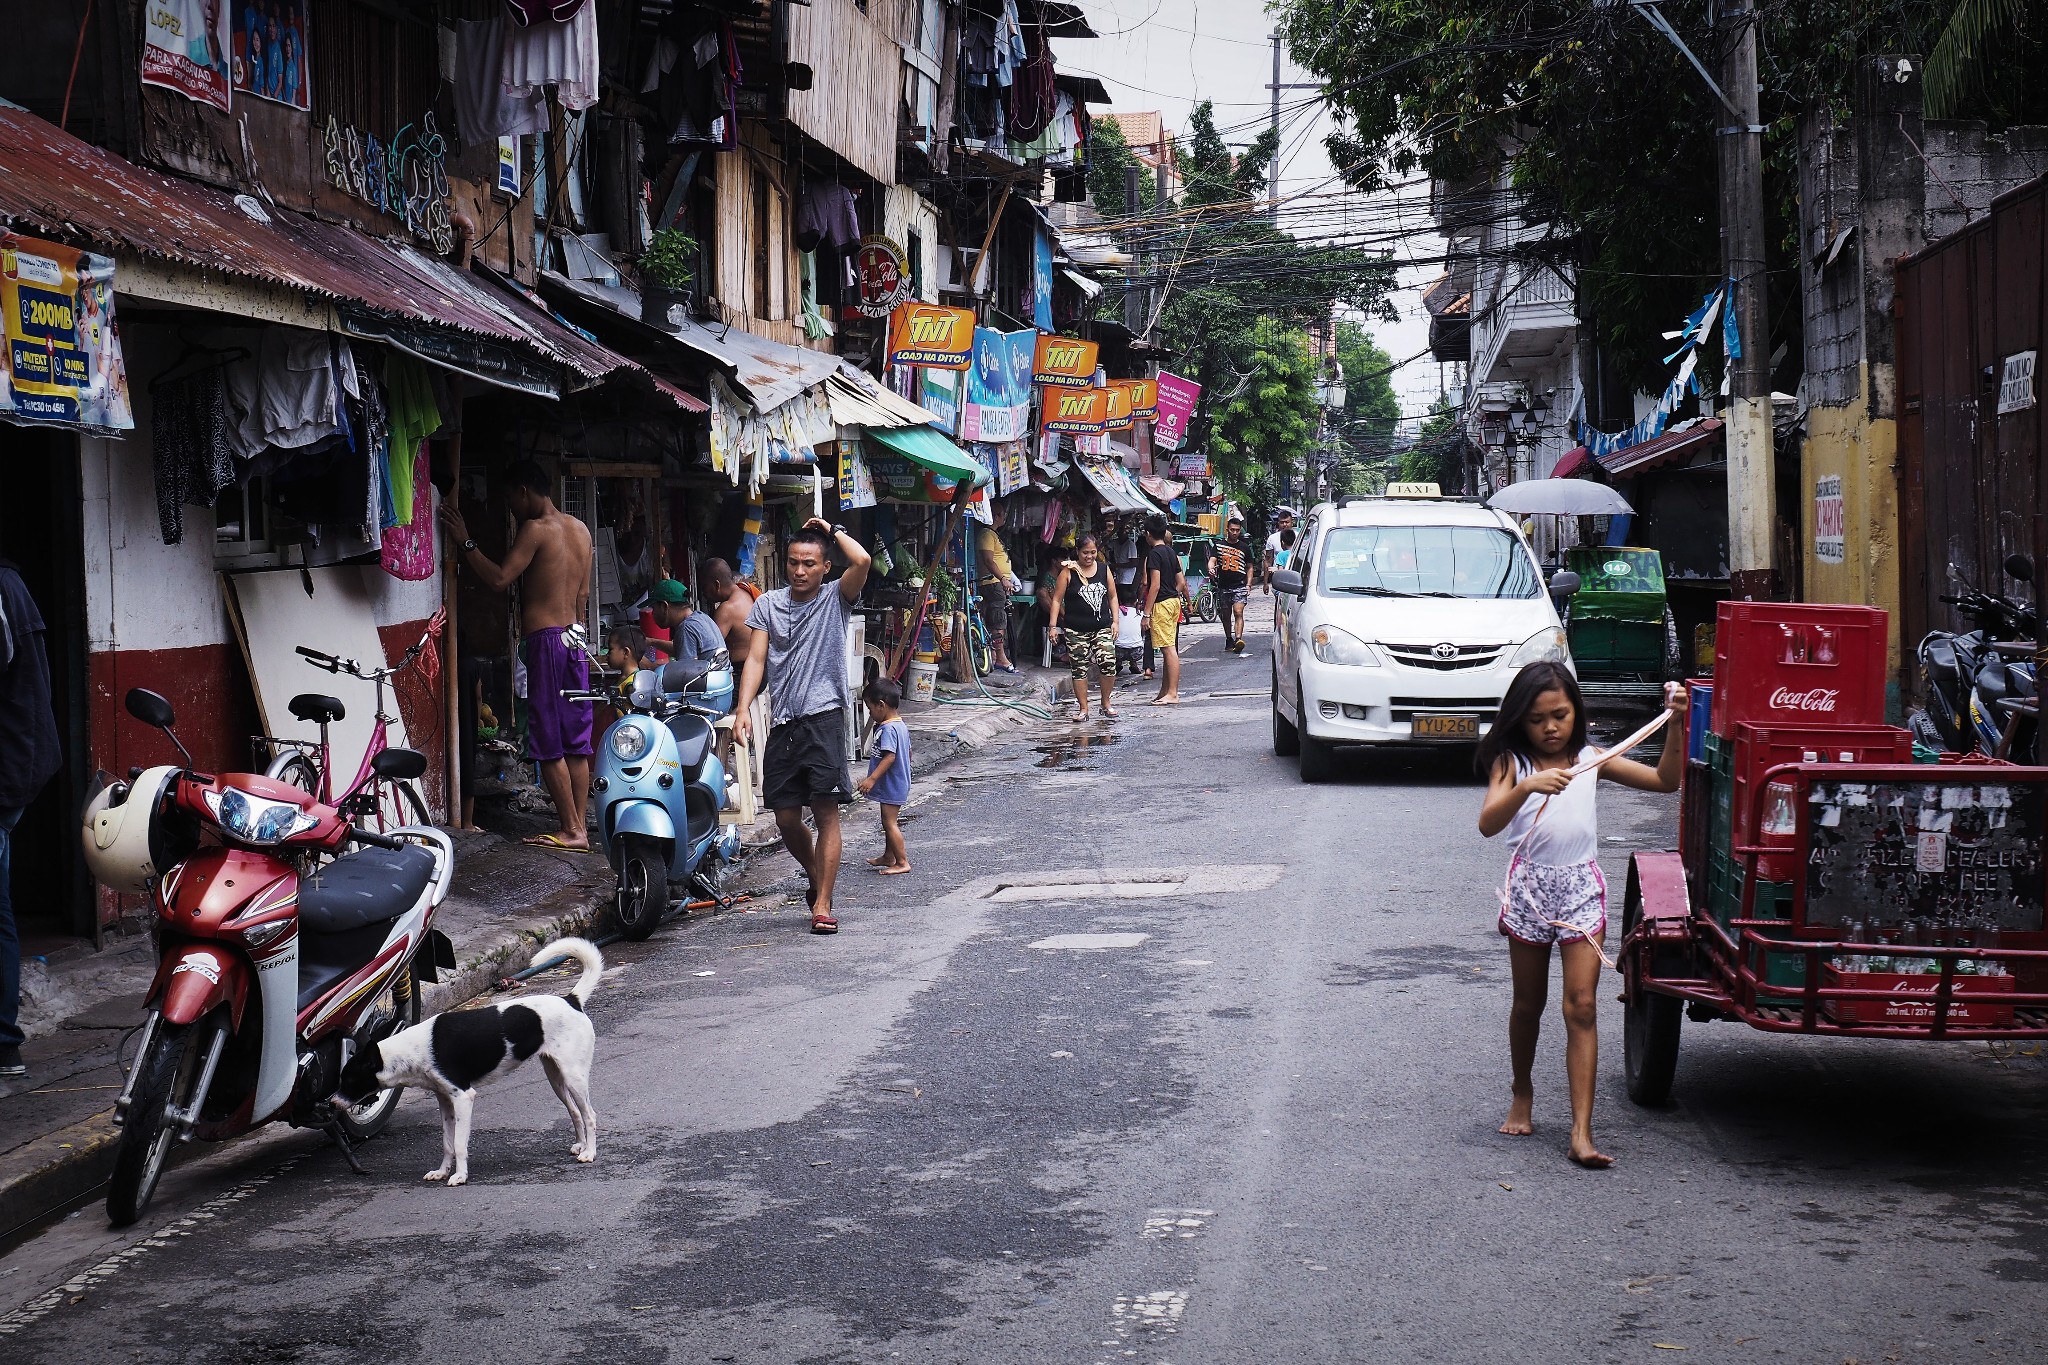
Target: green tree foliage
1109,156
1267,424
1434,458
1362,431
1611,130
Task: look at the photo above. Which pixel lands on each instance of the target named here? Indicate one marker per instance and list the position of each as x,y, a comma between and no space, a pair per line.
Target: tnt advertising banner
1117,408
1144,397
998,404
927,334
63,351
186,48
1077,412
1063,362
270,51
1177,399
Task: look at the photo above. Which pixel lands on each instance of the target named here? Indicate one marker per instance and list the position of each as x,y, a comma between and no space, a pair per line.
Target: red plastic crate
1914,1004
1799,663
1760,748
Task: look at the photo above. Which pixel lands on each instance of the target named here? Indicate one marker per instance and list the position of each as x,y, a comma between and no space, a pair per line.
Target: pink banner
1177,398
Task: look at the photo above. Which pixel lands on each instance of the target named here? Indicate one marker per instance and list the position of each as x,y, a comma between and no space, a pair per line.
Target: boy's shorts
1166,624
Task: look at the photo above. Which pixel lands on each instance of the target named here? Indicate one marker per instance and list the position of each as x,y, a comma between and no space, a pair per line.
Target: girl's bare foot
1584,1153
882,861
1520,1122
895,869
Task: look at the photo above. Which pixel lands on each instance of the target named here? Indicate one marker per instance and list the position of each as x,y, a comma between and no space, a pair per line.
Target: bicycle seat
403,764
316,708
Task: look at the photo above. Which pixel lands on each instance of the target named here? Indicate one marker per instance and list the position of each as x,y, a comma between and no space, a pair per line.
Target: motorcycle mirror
2020,567
151,709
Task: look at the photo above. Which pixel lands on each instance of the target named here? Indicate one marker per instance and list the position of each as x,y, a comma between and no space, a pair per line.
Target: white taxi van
1401,619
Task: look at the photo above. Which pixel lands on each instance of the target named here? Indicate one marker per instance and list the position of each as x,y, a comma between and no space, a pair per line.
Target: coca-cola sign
1815,699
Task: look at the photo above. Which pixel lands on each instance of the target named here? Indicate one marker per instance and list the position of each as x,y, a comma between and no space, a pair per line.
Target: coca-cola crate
1798,662
1759,748
1972,999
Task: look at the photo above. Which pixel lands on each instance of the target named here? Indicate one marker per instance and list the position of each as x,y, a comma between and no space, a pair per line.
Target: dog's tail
586,955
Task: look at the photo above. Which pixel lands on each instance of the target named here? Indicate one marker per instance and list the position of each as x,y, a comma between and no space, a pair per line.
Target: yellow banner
63,363
927,334
1063,362
1079,412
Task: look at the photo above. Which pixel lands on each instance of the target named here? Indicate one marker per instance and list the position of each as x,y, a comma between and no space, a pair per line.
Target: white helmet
119,824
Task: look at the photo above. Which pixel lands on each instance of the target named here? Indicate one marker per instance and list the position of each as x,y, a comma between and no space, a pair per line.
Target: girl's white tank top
1569,832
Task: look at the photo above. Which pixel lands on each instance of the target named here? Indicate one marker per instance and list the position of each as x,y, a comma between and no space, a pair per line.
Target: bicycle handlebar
317,657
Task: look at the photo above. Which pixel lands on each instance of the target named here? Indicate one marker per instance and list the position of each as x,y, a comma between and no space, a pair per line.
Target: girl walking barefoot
1555,893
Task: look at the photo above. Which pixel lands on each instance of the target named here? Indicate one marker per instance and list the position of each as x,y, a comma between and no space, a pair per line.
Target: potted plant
666,270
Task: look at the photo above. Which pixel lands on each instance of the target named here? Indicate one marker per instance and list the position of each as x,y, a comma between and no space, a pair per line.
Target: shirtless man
730,600
550,560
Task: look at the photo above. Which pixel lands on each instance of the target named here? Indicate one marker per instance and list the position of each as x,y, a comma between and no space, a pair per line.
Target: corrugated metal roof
858,400
1662,450
57,184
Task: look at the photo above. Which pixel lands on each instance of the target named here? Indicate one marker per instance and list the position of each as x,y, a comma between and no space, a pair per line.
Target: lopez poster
270,51
63,352
185,47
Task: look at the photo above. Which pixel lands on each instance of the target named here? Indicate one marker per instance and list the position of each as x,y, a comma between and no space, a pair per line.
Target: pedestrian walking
888,781
550,561
997,581
1230,576
1084,613
1276,557
1554,893
1166,587
1130,633
799,652
29,758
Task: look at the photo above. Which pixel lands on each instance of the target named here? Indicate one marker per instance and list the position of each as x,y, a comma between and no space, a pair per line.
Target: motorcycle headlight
630,743
256,819
1334,646
1550,646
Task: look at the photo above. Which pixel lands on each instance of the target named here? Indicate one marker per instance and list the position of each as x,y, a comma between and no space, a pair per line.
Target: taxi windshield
1426,561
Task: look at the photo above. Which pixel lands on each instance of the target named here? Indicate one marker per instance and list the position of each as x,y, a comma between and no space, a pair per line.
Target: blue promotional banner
998,406
1041,279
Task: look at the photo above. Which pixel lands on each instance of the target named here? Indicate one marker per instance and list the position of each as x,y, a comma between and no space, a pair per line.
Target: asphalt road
1247,1115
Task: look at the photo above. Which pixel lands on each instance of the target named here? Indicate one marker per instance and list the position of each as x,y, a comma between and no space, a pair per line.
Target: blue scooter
660,787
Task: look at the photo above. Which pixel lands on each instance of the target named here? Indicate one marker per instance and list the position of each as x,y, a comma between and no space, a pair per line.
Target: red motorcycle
282,953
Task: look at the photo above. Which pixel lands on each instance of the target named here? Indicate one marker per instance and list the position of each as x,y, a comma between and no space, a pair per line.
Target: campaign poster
64,363
270,51
1064,362
998,407
1077,411
186,48
927,334
1177,399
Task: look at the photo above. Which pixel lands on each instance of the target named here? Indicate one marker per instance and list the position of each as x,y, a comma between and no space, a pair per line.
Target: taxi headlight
1551,646
1334,646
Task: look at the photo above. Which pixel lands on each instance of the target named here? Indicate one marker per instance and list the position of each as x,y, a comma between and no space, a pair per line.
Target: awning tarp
1675,444
1120,494
929,448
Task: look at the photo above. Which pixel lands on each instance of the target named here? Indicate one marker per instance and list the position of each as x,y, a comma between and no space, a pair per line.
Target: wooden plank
854,109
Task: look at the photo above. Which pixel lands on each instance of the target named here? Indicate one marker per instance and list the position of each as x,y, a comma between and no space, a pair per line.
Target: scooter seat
366,887
314,707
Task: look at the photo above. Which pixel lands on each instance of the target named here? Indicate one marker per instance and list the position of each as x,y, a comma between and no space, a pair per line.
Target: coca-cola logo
1817,699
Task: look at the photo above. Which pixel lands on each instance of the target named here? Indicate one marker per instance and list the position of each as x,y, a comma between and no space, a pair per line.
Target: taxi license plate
1445,727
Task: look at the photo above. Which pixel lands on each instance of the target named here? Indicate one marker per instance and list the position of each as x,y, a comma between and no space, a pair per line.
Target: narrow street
1209,1072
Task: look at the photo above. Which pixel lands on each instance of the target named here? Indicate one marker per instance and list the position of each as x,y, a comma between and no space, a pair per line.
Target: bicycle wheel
398,803
295,769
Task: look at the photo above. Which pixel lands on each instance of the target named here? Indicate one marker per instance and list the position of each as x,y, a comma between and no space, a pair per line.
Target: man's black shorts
804,762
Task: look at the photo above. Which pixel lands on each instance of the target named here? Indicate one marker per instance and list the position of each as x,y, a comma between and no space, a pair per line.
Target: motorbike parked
1981,683
660,787
281,952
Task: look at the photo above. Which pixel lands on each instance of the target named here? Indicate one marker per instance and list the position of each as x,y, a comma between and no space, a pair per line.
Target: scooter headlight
255,819
630,742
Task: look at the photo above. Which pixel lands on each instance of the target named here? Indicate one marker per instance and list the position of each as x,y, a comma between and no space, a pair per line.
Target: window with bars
373,70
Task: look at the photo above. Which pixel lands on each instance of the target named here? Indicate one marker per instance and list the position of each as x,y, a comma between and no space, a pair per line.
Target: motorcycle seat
312,706
369,886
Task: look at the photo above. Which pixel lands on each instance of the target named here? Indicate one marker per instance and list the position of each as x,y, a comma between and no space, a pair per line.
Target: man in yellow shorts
1166,587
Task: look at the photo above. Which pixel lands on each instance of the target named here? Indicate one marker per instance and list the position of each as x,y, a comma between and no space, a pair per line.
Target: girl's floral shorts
1549,905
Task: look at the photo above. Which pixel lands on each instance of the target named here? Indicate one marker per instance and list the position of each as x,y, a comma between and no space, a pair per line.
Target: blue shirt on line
891,737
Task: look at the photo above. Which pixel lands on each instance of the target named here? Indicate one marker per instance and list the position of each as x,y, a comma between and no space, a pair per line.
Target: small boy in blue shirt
888,781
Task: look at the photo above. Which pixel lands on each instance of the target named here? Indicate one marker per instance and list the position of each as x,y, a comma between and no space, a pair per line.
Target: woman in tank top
1084,606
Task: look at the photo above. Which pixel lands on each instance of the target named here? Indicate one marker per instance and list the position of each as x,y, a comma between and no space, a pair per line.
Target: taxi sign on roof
1414,490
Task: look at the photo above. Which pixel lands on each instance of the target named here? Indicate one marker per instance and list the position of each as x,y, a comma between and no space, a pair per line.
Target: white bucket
923,678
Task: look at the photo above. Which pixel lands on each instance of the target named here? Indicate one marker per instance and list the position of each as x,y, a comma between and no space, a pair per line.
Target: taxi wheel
1286,739
1318,757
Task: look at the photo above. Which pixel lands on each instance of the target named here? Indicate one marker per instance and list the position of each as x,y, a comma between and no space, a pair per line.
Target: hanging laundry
415,416
563,55
484,109
291,393
408,550
524,12
190,446
826,216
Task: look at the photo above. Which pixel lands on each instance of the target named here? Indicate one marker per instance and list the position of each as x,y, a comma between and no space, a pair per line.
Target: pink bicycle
385,794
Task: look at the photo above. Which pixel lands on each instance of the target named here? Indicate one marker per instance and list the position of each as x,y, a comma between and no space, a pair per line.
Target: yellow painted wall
1846,441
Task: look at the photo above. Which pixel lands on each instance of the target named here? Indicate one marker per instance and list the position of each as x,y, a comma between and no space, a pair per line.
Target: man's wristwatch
837,529
468,545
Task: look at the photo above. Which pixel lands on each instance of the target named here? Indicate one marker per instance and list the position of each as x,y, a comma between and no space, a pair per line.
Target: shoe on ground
11,1063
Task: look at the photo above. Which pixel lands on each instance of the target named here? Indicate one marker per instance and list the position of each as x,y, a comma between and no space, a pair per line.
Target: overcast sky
1170,54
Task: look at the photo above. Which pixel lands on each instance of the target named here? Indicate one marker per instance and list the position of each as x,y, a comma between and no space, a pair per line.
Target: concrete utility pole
1273,170
1752,465
1134,300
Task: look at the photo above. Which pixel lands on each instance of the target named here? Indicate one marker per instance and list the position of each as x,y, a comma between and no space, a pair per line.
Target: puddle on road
1068,750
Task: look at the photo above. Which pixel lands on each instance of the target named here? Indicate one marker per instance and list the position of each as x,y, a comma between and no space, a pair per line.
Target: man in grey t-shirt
799,649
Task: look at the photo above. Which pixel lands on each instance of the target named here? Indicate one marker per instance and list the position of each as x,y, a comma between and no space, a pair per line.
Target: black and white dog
454,1053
